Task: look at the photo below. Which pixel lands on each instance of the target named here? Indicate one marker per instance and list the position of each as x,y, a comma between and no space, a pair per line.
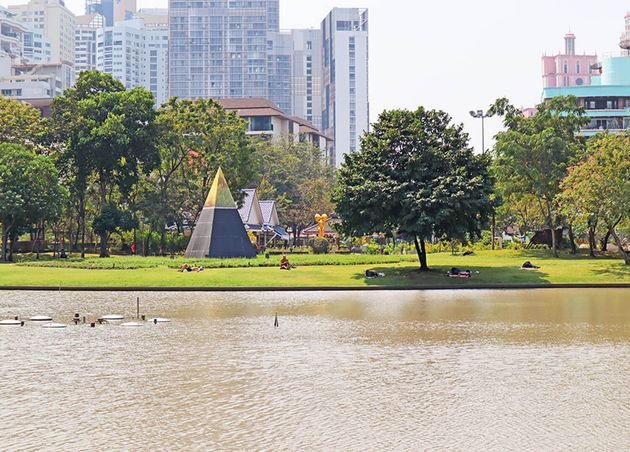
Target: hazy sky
459,55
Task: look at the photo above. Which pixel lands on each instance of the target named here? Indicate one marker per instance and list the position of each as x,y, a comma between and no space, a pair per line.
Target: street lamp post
480,114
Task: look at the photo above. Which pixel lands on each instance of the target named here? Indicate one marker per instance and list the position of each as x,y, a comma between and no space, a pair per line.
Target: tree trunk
591,240
163,242
624,253
572,239
494,227
422,254
605,241
14,237
82,219
104,235
5,239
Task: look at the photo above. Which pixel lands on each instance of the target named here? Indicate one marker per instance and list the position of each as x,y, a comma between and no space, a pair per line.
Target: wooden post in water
275,322
137,307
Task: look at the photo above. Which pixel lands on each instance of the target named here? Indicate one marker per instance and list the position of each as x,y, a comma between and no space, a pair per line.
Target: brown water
464,370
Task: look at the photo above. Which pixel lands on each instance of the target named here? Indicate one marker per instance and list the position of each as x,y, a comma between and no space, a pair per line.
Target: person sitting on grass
184,268
457,273
529,266
284,263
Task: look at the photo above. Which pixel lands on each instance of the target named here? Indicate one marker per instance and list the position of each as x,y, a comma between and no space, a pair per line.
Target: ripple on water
344,371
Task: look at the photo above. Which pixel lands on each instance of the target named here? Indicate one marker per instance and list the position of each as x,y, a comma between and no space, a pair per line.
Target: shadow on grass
438,276
620,271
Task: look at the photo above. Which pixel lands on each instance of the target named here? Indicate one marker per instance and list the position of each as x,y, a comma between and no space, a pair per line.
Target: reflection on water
474,370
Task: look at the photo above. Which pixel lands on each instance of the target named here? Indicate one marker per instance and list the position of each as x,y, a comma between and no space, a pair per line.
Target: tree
296,176
599,185
109,133
211,137
29,191
20,123
415,174
533,154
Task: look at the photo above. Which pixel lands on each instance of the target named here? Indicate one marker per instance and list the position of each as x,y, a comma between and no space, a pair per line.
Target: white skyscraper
307,75
345,105
85,42
57,24
136,55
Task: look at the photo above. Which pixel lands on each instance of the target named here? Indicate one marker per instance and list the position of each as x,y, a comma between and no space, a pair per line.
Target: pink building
624,42
568,69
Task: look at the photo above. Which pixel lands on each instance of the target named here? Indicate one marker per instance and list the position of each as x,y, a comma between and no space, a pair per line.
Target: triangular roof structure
219,231
269,212
250,211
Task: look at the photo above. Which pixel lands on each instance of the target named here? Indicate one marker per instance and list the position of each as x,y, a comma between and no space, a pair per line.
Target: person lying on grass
457,273
529,266
187,268
372,274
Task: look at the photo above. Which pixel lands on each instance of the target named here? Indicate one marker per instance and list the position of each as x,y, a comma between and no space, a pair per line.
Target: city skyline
497,55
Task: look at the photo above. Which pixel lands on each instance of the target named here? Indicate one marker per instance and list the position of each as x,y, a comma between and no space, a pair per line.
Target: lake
466,370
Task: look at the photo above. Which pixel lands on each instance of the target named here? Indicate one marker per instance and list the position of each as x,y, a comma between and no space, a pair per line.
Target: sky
459,55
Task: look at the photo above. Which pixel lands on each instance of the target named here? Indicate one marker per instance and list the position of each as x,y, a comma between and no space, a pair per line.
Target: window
344,25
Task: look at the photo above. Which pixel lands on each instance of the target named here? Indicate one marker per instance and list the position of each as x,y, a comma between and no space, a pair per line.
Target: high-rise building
568,68
604,92
136,55
85,41
279,69
57,24
345,107
37,48
218,48
306,87
104,8
11,35
112,10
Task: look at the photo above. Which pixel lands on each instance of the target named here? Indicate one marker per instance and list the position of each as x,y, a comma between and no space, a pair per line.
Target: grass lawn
493,267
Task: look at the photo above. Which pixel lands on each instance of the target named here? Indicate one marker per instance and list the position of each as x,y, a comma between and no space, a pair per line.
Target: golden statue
321,220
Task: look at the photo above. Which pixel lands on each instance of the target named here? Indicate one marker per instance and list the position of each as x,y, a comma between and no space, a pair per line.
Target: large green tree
533,154
20,123
599,185
29,191
109,133
415,174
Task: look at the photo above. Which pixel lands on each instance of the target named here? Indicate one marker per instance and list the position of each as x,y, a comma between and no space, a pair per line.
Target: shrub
319,245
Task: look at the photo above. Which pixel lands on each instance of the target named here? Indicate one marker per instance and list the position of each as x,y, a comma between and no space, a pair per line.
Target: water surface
465,370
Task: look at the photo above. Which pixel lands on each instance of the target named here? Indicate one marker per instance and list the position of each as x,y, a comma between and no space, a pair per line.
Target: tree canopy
415,174
599,185
20,123
533,154
297,177
109,133
29,191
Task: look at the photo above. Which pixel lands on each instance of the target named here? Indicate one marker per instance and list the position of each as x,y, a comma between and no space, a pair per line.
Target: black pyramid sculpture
219,231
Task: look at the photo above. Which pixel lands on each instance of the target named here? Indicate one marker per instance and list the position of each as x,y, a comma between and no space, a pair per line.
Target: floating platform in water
113,317
41,318
10,322
54,325
132,324
159,320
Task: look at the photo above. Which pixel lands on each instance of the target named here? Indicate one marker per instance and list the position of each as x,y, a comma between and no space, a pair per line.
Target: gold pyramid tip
220,195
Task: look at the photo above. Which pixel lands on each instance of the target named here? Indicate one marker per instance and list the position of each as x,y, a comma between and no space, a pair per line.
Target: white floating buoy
53,325
40,318
10,322
112,317
160,320
132,324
